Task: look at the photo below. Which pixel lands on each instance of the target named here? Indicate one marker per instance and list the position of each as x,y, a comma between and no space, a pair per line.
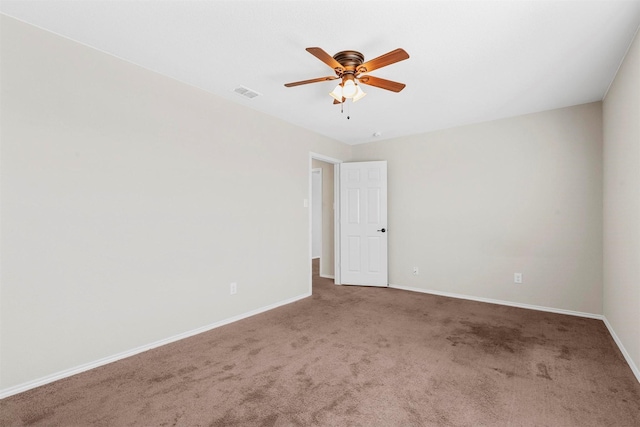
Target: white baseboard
328,276
106,360
623,350
501,302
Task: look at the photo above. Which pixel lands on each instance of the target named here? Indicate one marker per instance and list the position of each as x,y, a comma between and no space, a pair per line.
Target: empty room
331,213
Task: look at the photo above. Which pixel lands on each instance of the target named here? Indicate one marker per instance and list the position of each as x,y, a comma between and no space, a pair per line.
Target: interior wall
621,109
472,205
316,213
328,236
131,201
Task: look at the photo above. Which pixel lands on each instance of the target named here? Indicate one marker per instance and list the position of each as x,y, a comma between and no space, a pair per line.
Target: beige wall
327,257
622,204
470,206
130,202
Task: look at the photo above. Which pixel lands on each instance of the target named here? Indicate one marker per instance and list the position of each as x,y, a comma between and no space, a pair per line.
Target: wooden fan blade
382,83
326,58
304,82
335,101
383,60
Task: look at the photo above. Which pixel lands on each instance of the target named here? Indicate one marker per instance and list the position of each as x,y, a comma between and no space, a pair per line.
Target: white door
363,223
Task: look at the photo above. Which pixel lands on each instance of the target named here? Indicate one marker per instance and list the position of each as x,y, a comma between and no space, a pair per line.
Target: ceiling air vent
246,92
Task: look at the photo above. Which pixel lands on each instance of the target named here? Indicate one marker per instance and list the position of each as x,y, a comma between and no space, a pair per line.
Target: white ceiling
470,61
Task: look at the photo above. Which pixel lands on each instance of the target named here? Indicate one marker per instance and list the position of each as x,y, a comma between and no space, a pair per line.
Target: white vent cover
246,92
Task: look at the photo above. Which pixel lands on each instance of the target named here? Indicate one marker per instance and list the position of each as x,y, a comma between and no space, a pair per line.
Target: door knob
382,230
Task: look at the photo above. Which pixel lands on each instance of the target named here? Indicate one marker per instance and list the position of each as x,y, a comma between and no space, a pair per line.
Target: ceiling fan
349,67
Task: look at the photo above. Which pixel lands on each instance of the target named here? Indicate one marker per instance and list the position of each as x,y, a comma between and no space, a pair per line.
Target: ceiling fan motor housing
350,60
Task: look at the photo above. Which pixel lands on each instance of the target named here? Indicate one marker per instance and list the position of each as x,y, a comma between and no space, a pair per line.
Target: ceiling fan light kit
341,94
348,66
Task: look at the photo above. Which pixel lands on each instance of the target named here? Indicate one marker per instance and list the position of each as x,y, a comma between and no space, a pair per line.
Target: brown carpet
351,356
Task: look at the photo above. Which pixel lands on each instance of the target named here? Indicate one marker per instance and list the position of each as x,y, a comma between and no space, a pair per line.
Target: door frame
336,214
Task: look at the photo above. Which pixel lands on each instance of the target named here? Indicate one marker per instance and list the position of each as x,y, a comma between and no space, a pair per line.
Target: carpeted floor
352,356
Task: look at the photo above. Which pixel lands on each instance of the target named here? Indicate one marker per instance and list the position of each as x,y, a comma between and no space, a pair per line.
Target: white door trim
336,213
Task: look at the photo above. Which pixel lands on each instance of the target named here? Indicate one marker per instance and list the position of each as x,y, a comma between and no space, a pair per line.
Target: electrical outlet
233,288
415,271
517,277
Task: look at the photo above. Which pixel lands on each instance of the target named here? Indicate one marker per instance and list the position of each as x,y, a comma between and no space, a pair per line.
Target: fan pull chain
342,110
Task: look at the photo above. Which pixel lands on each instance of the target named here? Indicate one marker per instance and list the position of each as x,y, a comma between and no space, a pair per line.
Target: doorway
322,217
327,230
375,184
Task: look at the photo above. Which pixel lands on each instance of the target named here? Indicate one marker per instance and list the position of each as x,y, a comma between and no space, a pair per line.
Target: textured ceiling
470,61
